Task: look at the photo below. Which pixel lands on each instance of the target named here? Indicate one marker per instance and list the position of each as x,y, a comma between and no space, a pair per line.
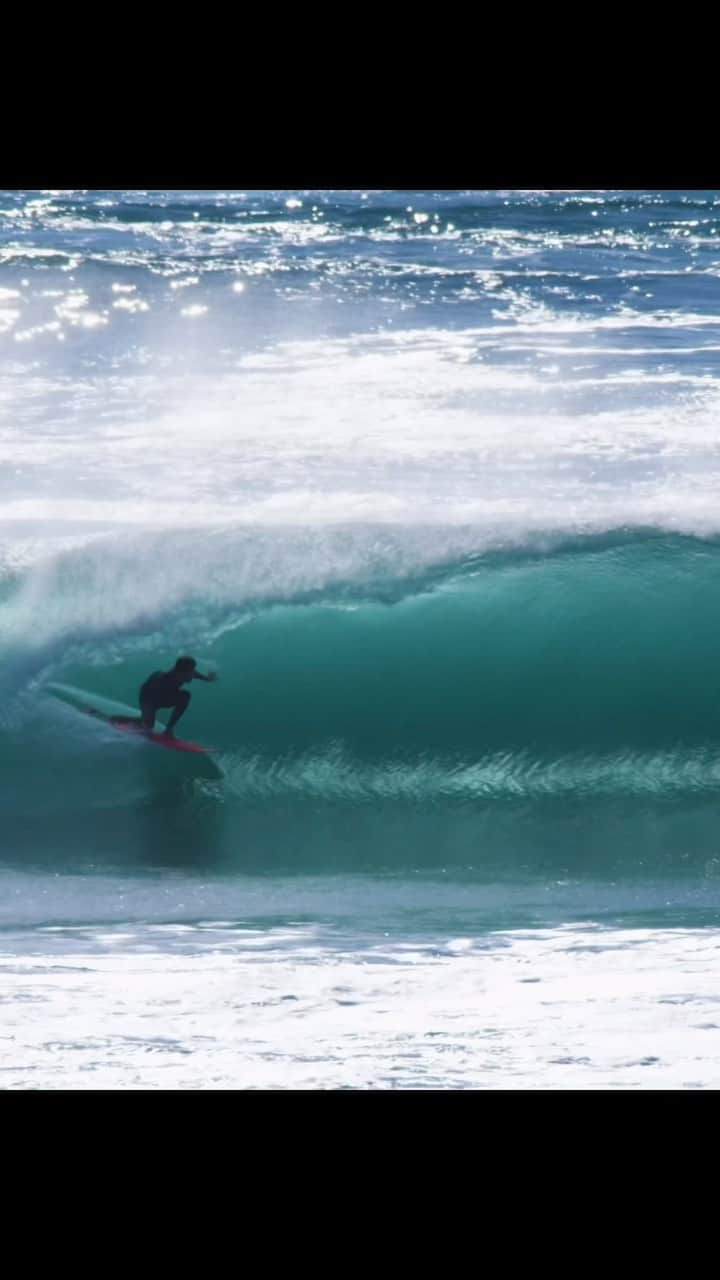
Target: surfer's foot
168,734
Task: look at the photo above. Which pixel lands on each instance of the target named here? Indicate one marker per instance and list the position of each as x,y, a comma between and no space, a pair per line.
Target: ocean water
432,481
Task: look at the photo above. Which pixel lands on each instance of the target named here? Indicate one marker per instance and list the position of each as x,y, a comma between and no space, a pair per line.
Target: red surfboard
131,725
128,722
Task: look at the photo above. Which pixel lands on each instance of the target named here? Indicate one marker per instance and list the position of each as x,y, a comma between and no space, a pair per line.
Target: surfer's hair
185,664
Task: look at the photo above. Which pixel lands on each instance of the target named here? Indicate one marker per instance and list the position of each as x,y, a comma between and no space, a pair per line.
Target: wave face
554,704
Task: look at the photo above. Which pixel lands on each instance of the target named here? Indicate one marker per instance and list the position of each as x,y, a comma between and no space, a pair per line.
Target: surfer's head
184,668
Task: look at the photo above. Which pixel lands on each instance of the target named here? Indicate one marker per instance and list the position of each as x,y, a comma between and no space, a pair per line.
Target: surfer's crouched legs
147,716
179,706
179,709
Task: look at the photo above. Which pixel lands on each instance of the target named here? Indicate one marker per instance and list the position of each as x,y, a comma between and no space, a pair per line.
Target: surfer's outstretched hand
211,675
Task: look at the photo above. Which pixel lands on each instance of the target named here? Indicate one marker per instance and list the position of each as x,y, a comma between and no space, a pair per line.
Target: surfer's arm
212,675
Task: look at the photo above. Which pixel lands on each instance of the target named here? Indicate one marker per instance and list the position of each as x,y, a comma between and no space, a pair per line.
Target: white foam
420,429
413,433
576,1007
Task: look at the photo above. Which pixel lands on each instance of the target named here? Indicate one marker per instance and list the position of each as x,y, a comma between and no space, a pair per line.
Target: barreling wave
362,668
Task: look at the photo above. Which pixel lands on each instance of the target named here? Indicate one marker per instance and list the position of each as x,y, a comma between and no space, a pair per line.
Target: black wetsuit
161,690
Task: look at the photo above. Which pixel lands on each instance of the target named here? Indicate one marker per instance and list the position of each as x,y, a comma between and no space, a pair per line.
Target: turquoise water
510,711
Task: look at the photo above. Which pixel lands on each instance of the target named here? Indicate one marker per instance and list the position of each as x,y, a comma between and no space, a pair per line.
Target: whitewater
430,479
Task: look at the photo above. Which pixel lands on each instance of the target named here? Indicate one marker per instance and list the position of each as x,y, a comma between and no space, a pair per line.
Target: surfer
163,689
